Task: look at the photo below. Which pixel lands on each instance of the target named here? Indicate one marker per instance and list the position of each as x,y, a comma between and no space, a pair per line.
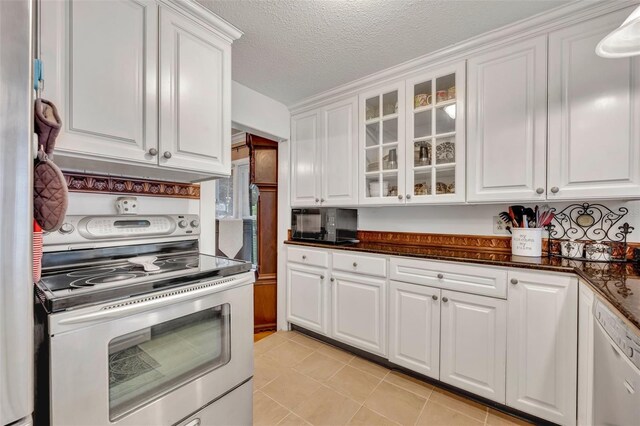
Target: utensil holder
526,242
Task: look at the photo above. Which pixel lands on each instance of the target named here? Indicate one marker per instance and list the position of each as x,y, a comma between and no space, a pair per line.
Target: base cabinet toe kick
507,335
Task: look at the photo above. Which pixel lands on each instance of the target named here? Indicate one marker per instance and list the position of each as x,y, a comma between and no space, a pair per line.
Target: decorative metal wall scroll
591,232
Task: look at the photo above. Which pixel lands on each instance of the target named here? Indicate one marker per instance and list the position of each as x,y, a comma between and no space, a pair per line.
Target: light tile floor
302,381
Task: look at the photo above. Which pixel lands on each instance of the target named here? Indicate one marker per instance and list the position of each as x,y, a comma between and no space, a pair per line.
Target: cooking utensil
514,219
146,262
518,212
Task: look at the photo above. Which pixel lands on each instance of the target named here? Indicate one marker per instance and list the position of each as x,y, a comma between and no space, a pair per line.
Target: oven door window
151,362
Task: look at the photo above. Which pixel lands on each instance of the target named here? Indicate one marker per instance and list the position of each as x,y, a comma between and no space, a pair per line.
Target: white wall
465,219
256,113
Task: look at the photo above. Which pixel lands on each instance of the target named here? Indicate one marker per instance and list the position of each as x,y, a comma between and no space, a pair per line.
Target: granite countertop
618,284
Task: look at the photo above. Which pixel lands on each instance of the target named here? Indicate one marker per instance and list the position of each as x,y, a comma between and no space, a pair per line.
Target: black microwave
325,224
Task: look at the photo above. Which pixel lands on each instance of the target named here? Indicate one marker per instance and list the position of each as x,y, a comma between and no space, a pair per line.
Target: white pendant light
623,41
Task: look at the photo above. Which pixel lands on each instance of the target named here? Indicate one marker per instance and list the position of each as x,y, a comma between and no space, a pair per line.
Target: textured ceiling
292,49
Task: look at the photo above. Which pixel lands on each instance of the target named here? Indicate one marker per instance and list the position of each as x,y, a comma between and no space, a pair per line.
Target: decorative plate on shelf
446,152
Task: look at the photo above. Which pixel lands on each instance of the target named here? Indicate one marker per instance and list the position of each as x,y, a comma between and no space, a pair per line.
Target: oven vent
171,293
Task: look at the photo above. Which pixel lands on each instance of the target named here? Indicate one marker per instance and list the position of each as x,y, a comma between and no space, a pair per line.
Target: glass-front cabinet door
434,152
382,145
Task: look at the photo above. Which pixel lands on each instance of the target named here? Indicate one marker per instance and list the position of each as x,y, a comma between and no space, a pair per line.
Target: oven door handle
145,303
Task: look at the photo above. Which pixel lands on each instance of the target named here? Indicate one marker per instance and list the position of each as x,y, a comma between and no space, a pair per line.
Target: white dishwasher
616,390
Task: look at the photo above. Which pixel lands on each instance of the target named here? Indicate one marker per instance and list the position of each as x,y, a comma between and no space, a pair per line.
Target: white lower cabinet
542,345
473,343
414,327
521,352
359,307
307,298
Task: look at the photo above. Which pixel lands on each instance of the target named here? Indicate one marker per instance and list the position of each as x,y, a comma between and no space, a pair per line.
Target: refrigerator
16,162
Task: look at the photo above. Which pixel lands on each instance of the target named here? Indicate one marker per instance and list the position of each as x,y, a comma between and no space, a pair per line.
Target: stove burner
104,279
192,265
91,272
184,259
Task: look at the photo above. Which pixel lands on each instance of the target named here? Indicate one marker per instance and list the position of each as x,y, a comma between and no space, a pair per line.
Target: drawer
309,257
451,276
358,263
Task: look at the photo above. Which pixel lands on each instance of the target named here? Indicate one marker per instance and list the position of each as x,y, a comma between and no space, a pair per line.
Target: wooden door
264,174
340,153
542,345
195,96
473,344
414,327
101,68
305,160
594,125
306,297
507,127
358,306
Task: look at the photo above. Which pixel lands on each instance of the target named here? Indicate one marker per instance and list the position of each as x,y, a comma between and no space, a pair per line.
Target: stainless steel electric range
137,327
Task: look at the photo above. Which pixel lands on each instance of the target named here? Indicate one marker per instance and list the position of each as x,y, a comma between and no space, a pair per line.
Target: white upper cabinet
542,345
507,123
340,153
594,124
305,160
382,145
324,156
100,65
195,96
143,87
435,143
474,344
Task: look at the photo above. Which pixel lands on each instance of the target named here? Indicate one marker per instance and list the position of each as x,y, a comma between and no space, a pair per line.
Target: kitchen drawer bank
487,330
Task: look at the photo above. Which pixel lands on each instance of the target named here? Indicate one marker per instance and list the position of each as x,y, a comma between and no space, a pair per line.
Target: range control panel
88,229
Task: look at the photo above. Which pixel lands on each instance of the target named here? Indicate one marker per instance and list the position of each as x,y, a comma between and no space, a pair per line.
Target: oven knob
195,223
182,223
66,228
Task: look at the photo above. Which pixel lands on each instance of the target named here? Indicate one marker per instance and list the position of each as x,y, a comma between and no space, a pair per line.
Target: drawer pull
514,281
304,257
434,297
355,265
440,276
444,299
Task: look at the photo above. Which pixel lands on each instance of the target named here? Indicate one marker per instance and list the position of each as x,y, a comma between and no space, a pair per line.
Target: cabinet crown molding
545,22
195,9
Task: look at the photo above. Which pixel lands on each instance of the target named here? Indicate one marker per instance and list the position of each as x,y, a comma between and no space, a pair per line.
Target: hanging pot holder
50,194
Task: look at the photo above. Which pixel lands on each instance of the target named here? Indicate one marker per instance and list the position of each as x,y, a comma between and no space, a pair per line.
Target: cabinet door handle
355,265
440,276
514,281
444,299
304,257
153,152
399,196
434,297
317,200
332,279
555,189
540,190
322,277
167,155
322,200
408,196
